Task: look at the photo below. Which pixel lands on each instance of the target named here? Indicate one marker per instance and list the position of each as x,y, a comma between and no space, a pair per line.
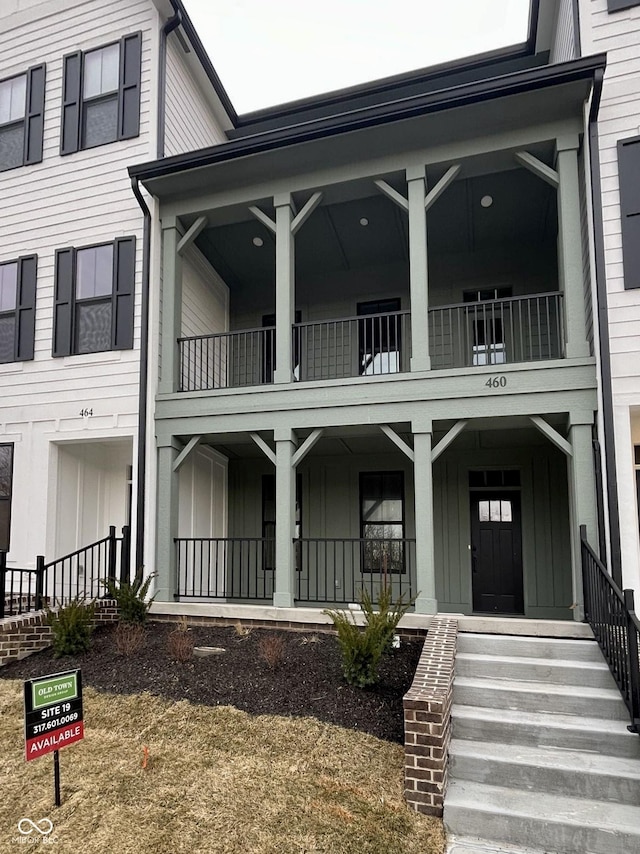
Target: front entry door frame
497,578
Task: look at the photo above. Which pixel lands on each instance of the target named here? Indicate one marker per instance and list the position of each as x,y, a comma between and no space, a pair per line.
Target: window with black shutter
629,178
21,118
17,309
94,296
101,95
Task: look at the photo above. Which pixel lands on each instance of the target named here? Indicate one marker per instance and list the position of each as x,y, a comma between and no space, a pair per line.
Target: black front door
496,552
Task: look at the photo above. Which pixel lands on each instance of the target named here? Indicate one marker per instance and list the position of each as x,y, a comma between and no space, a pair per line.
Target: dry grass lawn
217,780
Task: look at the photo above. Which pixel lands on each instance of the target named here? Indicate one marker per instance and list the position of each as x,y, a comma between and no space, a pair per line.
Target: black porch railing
79,574
225,568
611,614
338,570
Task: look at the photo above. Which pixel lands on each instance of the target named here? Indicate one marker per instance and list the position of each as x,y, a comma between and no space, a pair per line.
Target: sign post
52,717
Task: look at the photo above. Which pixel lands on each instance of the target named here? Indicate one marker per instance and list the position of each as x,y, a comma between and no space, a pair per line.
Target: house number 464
496,382
86,413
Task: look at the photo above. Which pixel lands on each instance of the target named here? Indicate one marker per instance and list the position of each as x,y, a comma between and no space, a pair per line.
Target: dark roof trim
405,108
199,49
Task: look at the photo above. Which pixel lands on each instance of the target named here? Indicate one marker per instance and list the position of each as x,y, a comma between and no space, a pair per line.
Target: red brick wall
22,635
427,719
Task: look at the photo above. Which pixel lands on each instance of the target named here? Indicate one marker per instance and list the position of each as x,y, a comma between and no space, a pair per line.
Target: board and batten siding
618,35
78,200
563,47
189,121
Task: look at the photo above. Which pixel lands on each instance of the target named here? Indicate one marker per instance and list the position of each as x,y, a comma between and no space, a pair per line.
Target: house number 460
496,382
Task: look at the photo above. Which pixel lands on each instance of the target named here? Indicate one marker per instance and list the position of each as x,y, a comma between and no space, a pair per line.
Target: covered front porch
473,517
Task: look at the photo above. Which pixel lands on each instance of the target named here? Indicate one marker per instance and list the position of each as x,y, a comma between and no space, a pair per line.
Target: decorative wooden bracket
299,219
306,446
392,194
538,168
193,442
432,196
188,238
400,443
447,439
551,434
266,450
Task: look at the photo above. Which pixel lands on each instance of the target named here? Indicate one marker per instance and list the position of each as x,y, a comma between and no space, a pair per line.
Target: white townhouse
86,89
613,26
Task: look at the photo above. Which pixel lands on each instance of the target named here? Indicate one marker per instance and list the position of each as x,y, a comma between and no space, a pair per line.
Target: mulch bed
308,680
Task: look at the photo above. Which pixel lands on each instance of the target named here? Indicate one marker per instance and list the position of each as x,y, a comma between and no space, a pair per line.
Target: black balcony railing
79,574
492,332
225,568
611,614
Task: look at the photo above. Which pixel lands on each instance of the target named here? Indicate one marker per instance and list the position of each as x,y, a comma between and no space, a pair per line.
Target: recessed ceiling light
486,201
258,241
364,221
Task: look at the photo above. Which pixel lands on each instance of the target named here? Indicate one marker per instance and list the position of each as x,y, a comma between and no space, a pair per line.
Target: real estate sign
52,713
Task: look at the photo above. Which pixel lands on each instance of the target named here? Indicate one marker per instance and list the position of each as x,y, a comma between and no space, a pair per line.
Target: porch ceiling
335,239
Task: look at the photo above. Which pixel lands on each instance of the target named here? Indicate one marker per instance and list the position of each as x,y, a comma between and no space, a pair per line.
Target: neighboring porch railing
610,613
225,568
496,332
79,574
492,332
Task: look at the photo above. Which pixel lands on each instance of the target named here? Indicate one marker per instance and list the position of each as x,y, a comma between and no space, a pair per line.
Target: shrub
131,597
129,638
362,648
180,641
271,649
71,625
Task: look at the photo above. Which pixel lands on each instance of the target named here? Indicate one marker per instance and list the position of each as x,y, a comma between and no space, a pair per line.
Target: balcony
470,334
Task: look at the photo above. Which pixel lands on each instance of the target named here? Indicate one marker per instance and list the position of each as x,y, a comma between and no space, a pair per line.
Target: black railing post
39,582
125,556
112,553
634,662
3,581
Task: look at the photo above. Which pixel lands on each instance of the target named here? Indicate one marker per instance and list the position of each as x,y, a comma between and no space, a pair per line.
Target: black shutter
71,103
129,91
618,5
124,273
34,117
64,302
26,308
629,177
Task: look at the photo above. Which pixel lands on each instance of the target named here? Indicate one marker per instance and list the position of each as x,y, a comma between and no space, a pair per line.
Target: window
488,346
379,337
94,296
629,177
382,521
6,483
269,521
619,5
101,95
17,309
21,118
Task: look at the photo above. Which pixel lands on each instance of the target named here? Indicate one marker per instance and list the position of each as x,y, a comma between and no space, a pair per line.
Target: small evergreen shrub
71,625
133,605
362,648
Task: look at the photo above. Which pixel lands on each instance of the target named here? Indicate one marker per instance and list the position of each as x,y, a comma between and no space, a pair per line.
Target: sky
271,51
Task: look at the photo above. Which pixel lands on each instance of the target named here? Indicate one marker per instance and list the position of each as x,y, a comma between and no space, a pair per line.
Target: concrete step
530,647
470,845
594,674
553,822
539,697
548,769
595,735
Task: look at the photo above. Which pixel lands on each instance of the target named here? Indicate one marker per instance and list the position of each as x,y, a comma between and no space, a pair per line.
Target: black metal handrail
80,574
610,612
225,568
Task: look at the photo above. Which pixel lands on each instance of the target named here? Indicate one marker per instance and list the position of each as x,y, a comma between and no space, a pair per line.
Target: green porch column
426,602
285,518
171,308
418,268
285,288
167,521
582,498
570,262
